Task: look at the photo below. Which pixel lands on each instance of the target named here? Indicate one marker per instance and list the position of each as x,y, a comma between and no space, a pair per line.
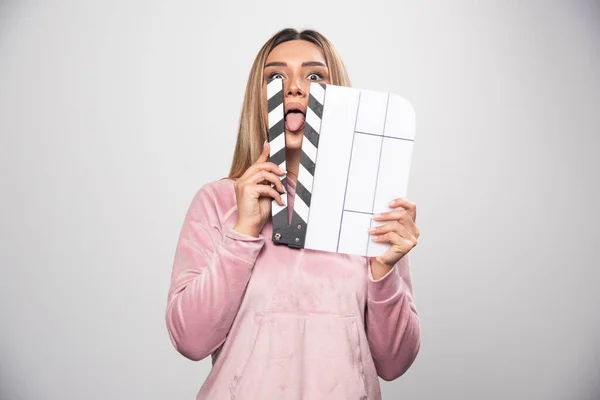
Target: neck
292,163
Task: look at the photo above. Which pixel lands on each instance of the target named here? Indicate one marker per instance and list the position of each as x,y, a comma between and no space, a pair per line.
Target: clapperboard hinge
294,234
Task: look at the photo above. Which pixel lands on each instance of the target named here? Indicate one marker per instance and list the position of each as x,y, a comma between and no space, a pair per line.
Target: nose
295,87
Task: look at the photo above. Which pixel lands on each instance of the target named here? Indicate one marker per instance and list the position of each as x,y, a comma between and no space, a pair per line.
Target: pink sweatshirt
283,323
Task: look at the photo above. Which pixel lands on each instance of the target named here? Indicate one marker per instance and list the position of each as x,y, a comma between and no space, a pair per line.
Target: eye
314,76
275,75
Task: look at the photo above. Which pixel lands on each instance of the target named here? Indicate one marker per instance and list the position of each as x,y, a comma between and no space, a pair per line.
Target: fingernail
391,203
370,230
265,144
282,171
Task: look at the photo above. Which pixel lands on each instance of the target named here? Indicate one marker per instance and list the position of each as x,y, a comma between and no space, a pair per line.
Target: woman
282,323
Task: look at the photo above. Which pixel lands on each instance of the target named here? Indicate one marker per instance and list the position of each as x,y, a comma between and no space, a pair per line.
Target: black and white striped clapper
293,234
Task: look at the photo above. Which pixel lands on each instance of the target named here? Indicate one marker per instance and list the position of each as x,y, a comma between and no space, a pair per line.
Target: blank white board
362,163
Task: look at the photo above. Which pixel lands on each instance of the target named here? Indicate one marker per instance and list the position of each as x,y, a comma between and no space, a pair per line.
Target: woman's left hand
402,232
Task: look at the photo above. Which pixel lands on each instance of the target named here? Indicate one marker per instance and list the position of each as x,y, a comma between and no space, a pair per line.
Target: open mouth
294,118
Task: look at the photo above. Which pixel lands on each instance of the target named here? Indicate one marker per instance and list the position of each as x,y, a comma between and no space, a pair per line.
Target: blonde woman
283,323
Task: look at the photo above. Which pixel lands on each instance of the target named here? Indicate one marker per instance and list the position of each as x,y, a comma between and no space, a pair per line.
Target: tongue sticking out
294,122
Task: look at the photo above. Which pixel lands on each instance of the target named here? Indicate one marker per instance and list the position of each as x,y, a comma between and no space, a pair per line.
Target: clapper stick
293,234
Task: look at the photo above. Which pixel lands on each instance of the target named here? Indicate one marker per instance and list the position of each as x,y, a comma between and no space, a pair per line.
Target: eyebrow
304,64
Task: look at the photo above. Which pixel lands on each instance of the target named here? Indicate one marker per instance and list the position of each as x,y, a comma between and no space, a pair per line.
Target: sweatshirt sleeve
392,323
211,269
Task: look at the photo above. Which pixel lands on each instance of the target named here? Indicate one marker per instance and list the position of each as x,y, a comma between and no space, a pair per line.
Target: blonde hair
253,131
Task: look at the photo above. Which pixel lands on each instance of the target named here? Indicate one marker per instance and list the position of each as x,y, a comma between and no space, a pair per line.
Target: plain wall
114,113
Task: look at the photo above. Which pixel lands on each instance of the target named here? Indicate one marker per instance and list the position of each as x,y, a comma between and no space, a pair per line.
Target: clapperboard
356,157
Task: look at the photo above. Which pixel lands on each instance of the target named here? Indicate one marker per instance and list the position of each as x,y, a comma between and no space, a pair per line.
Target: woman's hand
254,194
401,232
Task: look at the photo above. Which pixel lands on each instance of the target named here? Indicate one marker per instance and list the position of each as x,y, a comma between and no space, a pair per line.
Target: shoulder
216,199
218,188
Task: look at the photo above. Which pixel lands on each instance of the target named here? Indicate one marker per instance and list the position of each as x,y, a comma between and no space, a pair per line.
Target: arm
392,324
211,270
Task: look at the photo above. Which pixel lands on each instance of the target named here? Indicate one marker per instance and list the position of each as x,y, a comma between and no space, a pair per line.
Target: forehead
296,51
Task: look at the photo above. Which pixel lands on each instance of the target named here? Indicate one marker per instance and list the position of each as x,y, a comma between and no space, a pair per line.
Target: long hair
253,130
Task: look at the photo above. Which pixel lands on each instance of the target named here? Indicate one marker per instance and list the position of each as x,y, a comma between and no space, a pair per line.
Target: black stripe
303,193
277,130
311,134
297,220
299,233
314,105
280,220
278,157
307,163
323,86
275,101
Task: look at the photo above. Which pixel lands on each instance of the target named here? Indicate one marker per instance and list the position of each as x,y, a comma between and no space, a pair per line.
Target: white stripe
301,208
318,92
276,115
305,178
276,208
313,120
274,87
277,144
309,149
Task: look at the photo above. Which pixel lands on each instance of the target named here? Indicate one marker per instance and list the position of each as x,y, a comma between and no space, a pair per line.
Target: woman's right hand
254,194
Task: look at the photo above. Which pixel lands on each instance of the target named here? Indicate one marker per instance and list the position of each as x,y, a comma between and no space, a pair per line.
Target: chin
293,140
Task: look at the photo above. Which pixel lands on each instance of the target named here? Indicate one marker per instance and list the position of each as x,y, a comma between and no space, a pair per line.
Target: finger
409,206
270,166
406,220
388,238
264,156
267,177
397,228
394,215
385,228
406,223
258,167
268,191
395,239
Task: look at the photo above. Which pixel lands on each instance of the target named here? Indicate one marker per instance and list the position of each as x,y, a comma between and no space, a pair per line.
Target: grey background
114,113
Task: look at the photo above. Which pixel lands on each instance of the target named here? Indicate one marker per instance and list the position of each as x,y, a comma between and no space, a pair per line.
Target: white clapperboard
356,157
